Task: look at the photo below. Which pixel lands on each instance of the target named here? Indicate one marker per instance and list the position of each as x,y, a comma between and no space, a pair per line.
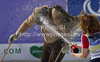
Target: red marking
95,31
73,47
90,43
47,15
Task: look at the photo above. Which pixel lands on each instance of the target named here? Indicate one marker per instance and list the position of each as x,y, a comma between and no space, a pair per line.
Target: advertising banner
29,45
28,51
89,6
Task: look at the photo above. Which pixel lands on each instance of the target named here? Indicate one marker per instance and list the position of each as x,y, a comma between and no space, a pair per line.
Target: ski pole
7,50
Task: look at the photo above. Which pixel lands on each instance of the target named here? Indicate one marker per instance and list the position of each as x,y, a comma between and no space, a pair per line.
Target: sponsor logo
13,51
87,6
36,51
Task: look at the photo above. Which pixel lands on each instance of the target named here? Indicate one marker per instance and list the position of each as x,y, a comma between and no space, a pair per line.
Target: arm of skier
29,22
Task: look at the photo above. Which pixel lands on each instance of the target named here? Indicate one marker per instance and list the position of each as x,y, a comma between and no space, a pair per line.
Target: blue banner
89,6
14,12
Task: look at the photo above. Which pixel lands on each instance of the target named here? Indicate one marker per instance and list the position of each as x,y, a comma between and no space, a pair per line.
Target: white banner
30,51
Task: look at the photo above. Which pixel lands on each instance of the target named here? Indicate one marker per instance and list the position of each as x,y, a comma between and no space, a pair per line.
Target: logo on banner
36,51
87,4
